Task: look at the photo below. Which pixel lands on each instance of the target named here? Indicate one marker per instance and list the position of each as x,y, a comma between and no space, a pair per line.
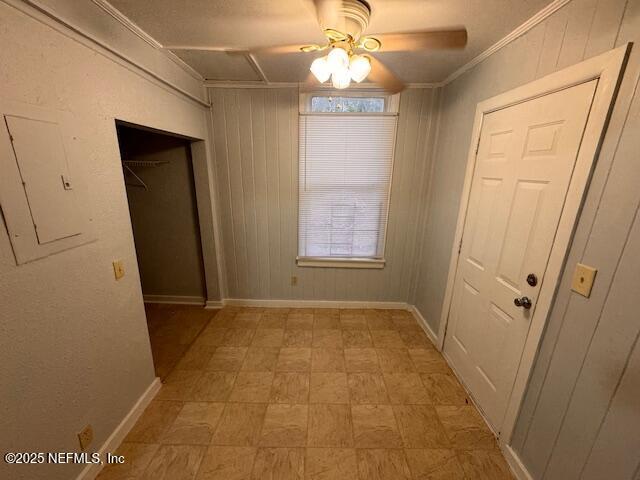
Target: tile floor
310,394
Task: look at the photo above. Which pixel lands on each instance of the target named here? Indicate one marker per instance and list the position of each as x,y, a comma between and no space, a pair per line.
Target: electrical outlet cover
85,437
118,269
583,279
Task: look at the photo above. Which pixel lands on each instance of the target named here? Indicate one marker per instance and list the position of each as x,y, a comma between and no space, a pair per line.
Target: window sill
340,262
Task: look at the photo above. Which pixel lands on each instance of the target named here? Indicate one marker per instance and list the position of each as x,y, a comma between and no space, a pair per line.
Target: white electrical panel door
42,161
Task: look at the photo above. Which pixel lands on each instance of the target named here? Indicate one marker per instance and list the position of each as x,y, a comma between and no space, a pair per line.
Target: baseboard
517,467
91,471
177,299
425,326
243,302
213,305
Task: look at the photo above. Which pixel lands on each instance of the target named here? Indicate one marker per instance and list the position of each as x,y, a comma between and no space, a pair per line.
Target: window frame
391,108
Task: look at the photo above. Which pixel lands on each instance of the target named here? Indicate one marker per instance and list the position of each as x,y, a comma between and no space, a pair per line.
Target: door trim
607,68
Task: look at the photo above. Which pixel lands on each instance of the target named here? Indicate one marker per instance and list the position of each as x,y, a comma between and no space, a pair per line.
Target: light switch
118,269
583,279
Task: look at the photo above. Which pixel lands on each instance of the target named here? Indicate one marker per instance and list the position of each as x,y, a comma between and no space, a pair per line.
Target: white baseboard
517,467
177,299
425,326
243,302
213,305
115,439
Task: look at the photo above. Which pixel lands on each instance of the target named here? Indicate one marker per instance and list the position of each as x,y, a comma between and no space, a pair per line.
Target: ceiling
241,24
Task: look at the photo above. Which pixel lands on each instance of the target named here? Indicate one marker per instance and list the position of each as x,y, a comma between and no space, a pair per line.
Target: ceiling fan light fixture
341,78
320,69
338,59
359,67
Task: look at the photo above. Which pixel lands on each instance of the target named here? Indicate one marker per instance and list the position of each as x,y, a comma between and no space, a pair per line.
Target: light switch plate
85,437
118,269
583,279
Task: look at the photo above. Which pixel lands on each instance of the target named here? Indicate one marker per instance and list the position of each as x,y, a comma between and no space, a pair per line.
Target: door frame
607,68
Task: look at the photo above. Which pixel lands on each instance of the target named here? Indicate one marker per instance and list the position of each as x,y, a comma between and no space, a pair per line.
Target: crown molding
539,17
261,84
140,33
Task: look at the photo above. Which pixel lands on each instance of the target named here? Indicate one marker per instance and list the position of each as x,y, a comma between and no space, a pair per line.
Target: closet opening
158,171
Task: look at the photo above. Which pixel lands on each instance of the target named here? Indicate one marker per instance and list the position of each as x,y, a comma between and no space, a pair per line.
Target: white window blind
346,162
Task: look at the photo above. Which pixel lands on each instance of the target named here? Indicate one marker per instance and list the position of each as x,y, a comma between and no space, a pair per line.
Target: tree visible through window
345,174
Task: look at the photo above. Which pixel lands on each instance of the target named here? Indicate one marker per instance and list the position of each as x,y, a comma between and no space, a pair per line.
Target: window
346,162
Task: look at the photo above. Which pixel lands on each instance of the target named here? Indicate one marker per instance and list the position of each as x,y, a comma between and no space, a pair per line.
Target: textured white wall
74,346
256,154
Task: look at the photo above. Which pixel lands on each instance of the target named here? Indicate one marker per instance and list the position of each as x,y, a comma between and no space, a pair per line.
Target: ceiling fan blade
384,77
329,14
417,41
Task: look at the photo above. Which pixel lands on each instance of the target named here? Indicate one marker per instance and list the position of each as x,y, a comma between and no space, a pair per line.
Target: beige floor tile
196,358
137,457
294,359
240,424
238,337
227,463
367,388
252,387
179,385
465,427
353,322
279,464
323,322
247,320
285,426
330,426
327,338
361,360
383,464
213,386
386,339
420,427
380,323
327,360
290,387
428,360
300,321
227,359
297,338
356,339
213,335
329,388
415,338
268,337
175,462
395,360
154,421
484,465
331,464
434,464
278,320
260,359
194,425
444,389
374,426
406,388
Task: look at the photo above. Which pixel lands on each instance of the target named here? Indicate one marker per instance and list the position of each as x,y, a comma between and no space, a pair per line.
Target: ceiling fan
350,53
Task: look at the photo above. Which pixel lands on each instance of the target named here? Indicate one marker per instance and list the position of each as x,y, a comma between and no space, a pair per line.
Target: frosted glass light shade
320,69
337,59
359,67
341,79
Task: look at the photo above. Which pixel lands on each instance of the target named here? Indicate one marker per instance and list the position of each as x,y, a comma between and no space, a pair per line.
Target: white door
526,156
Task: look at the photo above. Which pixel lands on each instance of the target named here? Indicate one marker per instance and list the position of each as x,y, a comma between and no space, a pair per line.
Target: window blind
346,163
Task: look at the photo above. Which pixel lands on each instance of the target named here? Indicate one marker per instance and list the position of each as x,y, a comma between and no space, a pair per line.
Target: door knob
524,302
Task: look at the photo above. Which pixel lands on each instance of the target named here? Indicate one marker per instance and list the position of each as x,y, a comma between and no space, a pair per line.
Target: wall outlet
118,269
85,437
583,279
294,280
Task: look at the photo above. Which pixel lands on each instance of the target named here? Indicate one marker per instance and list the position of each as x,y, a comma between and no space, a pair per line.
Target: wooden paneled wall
256,155
581,414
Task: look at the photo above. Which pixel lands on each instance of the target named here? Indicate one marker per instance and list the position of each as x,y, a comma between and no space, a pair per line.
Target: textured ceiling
239,24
